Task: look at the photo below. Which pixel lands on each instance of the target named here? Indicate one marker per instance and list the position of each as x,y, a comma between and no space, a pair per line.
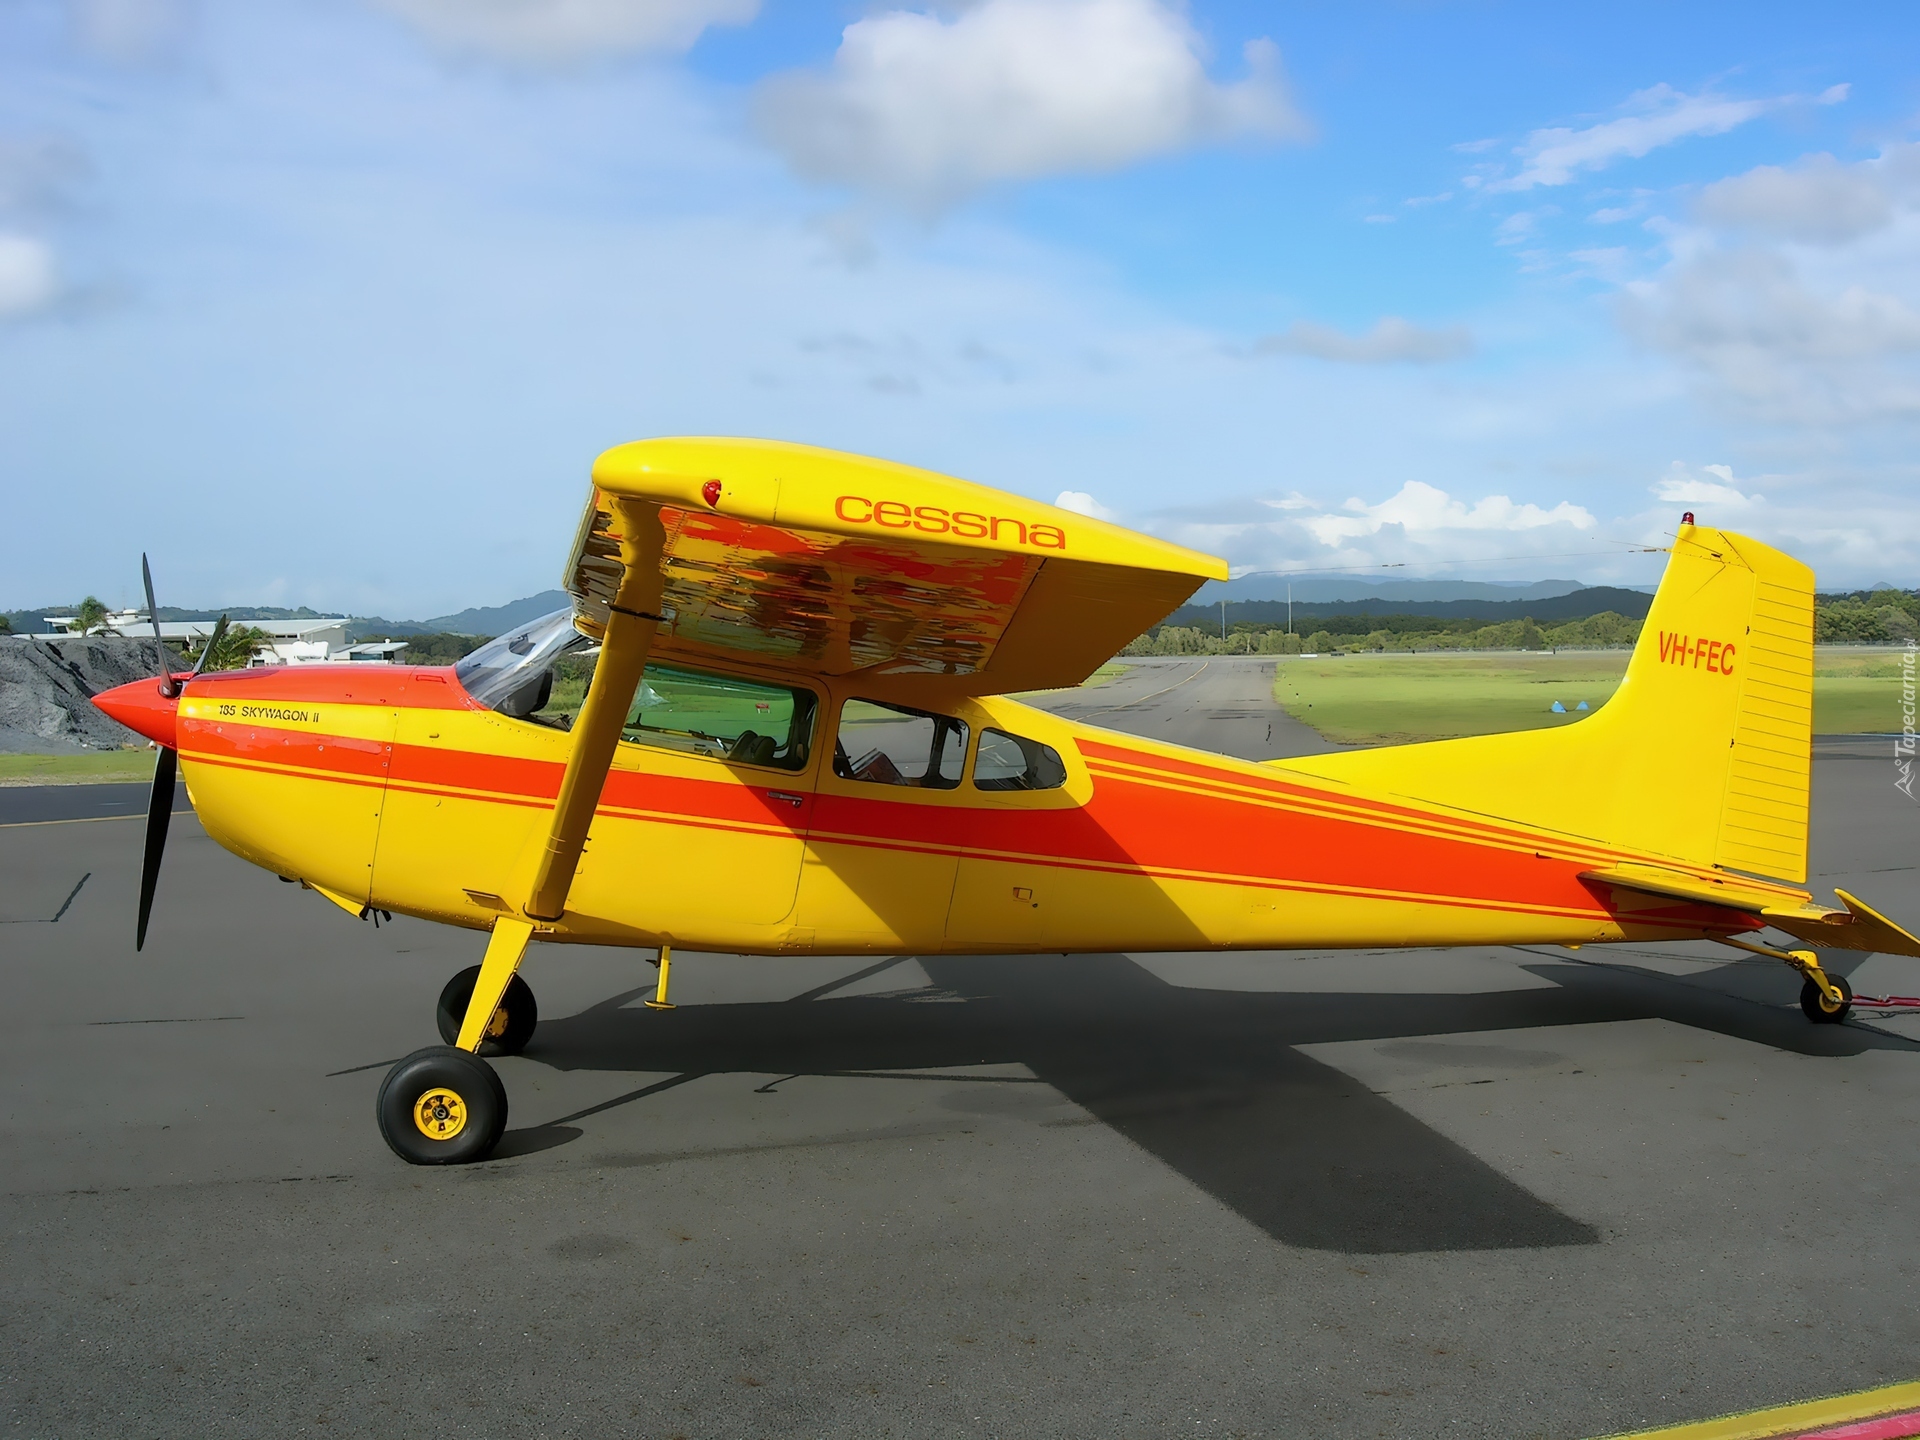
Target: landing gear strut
1825,999
511,1026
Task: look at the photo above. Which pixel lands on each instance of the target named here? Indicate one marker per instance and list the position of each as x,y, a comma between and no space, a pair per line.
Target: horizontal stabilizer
1858,927
1734,892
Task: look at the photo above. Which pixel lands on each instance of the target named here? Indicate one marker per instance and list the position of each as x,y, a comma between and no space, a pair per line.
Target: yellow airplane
796,741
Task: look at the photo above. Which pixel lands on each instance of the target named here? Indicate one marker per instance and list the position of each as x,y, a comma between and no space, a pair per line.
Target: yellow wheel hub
440,1113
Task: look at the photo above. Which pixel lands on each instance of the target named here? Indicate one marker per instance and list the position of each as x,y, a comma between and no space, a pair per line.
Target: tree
1895,622
6,626
92,615
236,648
1320,642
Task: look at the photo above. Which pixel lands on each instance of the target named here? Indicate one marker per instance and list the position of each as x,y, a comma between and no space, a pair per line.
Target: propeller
166,765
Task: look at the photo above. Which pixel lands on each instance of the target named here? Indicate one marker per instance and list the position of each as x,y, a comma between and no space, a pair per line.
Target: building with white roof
290,642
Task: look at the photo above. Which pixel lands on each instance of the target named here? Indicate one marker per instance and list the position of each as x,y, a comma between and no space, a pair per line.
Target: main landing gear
442,1106
511,1025
445,1105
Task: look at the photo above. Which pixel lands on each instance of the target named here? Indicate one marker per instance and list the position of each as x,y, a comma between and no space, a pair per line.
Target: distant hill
498,619
1574,605
1322,588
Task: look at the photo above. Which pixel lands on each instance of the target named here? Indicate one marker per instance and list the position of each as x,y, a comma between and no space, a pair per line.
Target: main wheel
511,1027
1821,1010
442,1106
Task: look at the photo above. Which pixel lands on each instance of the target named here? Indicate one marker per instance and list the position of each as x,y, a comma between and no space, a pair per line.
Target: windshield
514,674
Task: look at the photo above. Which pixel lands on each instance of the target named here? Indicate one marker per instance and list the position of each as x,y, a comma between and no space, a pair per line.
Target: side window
1011,762
886,745
722,717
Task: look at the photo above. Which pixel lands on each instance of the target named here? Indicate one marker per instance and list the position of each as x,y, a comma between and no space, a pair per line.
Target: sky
333,302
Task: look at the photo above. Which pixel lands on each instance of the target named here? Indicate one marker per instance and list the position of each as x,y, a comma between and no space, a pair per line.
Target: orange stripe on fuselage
1150,814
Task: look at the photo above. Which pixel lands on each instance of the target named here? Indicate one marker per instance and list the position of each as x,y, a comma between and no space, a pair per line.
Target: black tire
1816,1005
512,1024
447,1089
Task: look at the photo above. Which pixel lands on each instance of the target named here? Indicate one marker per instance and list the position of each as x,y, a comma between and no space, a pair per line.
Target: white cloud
1391,339
28,279
1710,485
927,109
1819,201
1517,228
1081,503
1794,291
1780,342
1421,509
1654,117
549,32
1609,262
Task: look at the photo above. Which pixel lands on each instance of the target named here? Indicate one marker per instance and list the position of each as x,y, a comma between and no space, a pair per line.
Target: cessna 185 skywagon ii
796,741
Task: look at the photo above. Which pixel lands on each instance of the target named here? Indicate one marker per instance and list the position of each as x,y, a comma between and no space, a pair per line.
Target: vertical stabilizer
1702,755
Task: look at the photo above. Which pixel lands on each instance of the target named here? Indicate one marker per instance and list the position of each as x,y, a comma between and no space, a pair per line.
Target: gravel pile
46,687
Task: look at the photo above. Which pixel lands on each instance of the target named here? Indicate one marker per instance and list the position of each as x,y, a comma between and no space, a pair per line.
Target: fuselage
390,786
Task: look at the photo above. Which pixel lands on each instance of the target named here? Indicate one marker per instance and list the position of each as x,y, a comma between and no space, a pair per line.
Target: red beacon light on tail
1687,518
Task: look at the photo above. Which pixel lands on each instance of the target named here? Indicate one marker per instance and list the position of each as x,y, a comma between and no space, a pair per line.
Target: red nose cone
141,706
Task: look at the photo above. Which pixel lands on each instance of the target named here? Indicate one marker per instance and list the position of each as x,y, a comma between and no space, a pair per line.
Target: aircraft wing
837,564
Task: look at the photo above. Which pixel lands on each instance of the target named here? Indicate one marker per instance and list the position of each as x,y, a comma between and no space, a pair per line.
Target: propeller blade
167,685
206,653
159,816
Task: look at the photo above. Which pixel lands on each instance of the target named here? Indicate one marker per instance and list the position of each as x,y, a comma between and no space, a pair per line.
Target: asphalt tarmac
1483,1192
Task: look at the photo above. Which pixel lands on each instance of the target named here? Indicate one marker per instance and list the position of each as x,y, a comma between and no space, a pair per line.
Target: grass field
1856,690
1393,699
95,767
1112,670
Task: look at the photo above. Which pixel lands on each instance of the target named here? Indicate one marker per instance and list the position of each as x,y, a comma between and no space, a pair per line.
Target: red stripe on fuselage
1194,772
1204,827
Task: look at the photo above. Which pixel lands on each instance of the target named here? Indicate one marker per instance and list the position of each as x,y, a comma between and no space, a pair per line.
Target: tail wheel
1821,1010
442,1106
509,1028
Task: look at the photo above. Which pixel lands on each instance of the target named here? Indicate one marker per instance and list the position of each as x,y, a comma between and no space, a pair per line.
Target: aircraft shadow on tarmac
1209,1082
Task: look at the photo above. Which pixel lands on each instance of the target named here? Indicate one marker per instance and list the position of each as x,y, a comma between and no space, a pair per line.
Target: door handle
791,799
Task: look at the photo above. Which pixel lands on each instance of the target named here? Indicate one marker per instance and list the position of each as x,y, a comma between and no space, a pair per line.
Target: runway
1477,1193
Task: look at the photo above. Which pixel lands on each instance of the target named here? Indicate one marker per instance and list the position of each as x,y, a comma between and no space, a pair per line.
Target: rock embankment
47,686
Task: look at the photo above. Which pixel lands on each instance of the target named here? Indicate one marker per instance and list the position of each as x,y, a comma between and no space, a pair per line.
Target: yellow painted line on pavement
1805,1418
78,820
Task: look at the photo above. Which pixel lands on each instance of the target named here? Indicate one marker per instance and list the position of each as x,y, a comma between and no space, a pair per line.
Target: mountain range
1253,597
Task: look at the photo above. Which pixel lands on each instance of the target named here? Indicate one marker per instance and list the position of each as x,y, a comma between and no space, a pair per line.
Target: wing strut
634,617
